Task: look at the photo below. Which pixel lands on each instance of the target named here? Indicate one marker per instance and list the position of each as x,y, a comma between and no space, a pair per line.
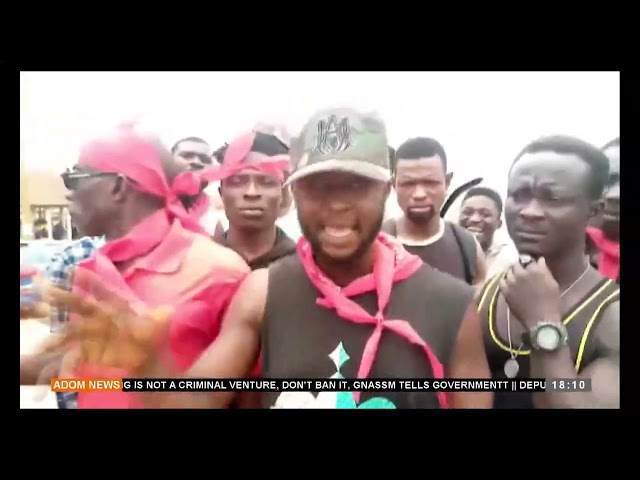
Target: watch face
548,338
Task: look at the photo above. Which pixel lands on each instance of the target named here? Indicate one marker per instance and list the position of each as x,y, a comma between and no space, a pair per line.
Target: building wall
44,188
40,189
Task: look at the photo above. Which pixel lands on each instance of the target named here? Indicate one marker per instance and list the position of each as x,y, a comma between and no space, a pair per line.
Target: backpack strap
468,249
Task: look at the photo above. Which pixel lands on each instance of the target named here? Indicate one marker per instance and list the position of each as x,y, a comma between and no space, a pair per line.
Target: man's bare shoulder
211,254
608,331
248,304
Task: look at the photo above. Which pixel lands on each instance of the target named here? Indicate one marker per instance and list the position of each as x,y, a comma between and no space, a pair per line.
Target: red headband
130,154
238,150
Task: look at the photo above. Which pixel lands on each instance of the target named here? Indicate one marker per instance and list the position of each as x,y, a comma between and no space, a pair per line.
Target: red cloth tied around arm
392,264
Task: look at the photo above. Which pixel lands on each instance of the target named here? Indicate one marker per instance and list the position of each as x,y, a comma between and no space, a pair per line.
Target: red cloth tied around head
137,157
609,256
392,264
238,150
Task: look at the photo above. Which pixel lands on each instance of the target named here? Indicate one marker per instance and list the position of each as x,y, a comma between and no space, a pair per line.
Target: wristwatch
546,336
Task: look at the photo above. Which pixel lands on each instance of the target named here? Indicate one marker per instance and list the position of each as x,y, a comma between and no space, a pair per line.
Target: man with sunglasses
129,189
58,273
347,289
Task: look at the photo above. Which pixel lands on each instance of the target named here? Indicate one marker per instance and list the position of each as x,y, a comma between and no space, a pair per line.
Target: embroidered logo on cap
333,135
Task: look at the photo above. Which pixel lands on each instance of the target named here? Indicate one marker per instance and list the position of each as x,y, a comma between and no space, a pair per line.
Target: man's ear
286,201
499,224
448,178
120,189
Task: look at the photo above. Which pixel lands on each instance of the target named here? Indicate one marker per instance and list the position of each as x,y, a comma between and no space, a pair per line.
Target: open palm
106,331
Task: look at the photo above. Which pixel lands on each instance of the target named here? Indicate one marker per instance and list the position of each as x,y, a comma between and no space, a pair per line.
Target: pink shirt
191,273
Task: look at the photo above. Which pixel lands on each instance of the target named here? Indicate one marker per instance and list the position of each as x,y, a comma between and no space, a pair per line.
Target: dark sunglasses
71,178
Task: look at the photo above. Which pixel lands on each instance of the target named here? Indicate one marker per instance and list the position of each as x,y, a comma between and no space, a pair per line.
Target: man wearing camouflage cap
352,303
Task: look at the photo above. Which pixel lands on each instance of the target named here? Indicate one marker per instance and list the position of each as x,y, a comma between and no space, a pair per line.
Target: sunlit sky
482,119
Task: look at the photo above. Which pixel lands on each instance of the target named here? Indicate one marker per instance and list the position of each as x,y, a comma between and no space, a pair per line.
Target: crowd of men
293,270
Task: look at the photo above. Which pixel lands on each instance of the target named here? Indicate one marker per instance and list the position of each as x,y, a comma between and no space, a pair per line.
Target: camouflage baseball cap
341,139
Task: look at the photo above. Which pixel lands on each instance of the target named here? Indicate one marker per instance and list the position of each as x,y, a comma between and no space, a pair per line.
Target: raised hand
107,331
531,292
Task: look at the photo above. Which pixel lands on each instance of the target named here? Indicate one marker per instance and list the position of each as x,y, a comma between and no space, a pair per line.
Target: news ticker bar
316,385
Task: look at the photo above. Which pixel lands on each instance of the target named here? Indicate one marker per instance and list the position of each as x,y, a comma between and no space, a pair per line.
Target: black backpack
466,242
468,249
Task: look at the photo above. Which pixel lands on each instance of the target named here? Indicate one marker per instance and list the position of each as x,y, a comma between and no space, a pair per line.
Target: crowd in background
210,227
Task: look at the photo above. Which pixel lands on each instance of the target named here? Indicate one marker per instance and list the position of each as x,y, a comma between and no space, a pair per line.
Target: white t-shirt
290,225
210,219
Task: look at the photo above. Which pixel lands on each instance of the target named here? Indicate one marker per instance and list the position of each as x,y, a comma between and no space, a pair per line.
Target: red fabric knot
609,253
392,264
187,183
138,158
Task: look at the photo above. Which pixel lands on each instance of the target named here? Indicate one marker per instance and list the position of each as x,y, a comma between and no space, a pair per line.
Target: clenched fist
531,293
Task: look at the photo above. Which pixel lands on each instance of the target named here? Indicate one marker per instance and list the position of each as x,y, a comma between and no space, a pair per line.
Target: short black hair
264,143
187,139
419,147
593,156
485,192
613,143
219,153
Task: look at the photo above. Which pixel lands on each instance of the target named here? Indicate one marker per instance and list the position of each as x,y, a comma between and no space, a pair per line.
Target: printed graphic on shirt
339,356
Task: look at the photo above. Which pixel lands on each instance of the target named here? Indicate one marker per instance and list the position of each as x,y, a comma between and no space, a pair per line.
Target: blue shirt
58,272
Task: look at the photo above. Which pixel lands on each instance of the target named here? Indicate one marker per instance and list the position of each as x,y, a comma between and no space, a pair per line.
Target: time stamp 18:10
568,385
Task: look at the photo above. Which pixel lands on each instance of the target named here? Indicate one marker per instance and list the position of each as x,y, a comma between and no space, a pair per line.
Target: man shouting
351,303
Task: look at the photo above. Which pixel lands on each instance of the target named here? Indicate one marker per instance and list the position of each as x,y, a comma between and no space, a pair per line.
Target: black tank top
580,322
304,340
445,254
